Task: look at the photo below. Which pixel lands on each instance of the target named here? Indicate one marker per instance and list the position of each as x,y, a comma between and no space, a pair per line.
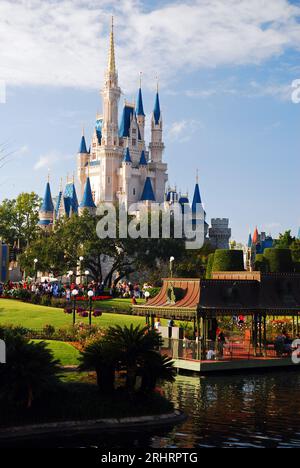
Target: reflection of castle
118,166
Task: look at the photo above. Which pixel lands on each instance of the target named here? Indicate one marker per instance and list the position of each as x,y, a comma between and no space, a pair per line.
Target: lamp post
172,259
74,294
80,267
70,274
86,276
35,261
90,295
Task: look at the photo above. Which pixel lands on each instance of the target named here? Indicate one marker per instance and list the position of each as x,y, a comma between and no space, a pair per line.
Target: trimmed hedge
279,260
228,260
261,263
209,266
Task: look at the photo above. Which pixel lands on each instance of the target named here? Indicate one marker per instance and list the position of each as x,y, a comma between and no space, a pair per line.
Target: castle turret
87,202
140,114
148,193
156,146
83,158
46,213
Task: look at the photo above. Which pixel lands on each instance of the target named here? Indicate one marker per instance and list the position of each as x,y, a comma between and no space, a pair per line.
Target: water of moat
249,410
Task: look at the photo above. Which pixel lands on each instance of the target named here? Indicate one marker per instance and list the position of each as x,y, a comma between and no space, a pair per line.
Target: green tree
19,218
279,260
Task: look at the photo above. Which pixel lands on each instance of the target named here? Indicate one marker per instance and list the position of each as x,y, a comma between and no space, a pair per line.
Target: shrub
279,260
209,266
58,302
261,263
45,301
48,331
153,291
228,260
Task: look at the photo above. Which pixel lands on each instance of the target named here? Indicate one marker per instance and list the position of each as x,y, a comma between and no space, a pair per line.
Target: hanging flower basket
97,313
68,310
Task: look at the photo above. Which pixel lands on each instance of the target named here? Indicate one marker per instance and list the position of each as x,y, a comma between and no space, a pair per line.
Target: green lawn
36,316
64,352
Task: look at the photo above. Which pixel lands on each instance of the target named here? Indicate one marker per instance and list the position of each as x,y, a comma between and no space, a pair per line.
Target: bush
48,331
35,299
228,260
209,266
261,263
279,260
45,301
153,291
58,302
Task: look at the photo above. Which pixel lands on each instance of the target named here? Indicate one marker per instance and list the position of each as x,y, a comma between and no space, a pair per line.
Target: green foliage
209,267
261,263
153,291
279,260
19,218
133,350
58,251
194,263
228,260
29,371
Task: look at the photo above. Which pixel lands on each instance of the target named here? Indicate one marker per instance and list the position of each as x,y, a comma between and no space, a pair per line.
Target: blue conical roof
148,194
197,198
87,200
82,147
156,111
126,121
47,204
143,160
139,105
127,158
250,241
70,199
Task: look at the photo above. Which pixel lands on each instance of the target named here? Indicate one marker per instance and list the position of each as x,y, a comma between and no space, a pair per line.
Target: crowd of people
57,289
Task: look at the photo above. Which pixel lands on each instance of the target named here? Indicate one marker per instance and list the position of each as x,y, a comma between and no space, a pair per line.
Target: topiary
261,263
228,260
279,260
209,266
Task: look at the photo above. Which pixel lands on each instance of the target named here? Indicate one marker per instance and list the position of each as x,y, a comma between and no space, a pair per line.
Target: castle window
133,191
108,180
134,131
94,195
133,141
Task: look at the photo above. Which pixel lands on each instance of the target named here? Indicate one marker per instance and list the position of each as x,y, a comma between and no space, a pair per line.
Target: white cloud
183,130
50,159
64,43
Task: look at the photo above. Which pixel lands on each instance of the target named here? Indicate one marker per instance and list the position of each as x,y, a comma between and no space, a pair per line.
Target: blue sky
225,69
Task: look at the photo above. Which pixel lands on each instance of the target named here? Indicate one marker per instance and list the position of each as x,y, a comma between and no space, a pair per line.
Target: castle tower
83,157
46,213
87,202
111,95
156,146
140,113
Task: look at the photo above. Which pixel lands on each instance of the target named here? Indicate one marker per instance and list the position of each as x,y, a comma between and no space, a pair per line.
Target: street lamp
35,261
70,274
90,295
86,276
81,258
172,259
74,294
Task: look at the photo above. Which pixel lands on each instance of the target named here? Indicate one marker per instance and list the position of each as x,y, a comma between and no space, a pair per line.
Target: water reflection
229,411
232,411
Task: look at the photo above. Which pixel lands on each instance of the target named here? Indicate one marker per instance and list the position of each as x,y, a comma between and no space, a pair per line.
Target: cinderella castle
119,167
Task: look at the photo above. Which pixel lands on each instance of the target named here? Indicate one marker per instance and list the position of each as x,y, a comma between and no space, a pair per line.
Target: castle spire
111,55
